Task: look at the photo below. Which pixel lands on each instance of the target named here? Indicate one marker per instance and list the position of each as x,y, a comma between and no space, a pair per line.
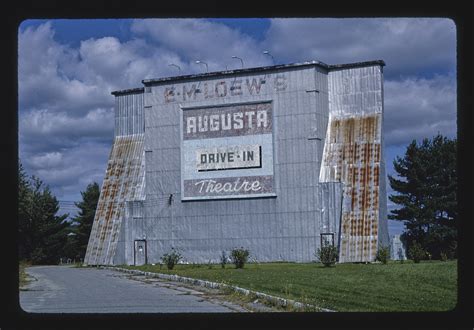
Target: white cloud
48,160
38,53
417,108
107,60
194,39
66,152
407,45
60,78
41,123
45,76
68,172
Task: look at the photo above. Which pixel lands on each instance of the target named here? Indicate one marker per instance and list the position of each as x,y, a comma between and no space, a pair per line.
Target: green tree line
45,236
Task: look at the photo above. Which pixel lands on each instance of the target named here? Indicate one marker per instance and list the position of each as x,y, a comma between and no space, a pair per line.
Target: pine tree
426,192
49,231
24,201
83,221
42,234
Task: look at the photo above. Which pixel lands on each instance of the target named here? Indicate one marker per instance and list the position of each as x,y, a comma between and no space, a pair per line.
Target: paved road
63,289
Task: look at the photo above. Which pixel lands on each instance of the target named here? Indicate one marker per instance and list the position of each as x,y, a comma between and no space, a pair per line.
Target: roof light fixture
201,62
266,52
241,60
179,68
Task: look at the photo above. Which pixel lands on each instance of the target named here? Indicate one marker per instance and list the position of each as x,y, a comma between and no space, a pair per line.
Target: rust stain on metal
353,157
124,172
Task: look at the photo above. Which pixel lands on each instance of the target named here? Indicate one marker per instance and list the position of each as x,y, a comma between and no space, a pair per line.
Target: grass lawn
426,286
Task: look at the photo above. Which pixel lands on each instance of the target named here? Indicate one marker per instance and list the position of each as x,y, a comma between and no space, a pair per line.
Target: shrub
239,257
416,252
383,254
171,259
327,255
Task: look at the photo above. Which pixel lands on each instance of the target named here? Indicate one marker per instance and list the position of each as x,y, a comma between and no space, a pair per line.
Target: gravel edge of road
269,299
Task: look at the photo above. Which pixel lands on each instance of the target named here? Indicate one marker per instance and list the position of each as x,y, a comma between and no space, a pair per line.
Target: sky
68,68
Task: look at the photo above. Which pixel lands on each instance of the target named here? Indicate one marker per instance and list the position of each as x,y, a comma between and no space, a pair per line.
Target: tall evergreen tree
24,224
42,234
83,221
49,231
426,192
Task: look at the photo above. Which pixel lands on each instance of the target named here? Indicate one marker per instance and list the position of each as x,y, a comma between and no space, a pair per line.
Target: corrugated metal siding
326,147
352,155
383,235
384,239
287,227
124,181
129,115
